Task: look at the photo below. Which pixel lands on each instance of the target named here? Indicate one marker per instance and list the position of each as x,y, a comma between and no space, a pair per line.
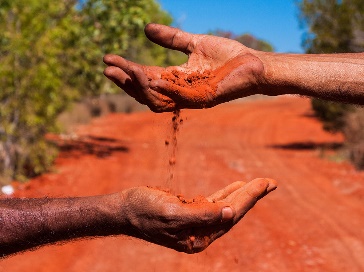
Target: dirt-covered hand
217,70
189,225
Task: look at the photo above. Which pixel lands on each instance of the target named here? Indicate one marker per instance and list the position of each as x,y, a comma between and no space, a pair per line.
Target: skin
146,213
238,72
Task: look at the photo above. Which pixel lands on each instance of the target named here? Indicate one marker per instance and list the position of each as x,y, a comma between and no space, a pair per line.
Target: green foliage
246,39
354,136
332,27
254,43
337,27
331,114
51,54
116,27
31,80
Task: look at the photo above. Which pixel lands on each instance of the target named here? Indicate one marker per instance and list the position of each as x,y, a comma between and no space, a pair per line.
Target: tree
332,27
31,80
246,39
252,42
337,27
51,54
114,26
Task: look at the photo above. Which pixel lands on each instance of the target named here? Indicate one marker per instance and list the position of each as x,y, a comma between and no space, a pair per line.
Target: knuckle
174,38
170,211
192,45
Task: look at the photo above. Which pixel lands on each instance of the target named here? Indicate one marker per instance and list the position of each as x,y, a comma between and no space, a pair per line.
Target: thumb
206,214
169,37
245,198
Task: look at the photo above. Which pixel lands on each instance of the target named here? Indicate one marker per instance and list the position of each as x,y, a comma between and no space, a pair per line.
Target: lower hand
170,221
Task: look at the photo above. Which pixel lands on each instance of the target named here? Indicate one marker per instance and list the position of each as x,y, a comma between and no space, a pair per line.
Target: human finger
152,72
156,101
170,89
115,60
223,193
138,74
140,83
160,103
126,66
242,200
115,73
204,214
170,37
121,79
140,78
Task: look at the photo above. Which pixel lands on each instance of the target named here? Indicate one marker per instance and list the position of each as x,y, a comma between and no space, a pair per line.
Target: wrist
114,210
124,213
276,78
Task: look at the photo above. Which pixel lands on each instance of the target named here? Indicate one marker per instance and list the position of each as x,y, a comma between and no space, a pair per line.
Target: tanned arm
29,223
145,213
338,77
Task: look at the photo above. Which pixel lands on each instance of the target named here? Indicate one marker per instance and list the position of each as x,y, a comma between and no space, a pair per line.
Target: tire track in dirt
307,199
261,137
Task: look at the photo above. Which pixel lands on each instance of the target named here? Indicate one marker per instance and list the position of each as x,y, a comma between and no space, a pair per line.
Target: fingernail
272,185
227,213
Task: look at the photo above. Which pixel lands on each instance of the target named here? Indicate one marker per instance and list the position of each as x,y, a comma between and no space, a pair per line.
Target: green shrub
332,114
354,136
51,55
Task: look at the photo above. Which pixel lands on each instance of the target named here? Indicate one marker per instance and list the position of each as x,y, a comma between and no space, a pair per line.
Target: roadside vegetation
333,26
51,55
51,70
246,39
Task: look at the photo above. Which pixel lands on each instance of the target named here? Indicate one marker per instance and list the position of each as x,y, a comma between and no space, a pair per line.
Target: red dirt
202,85
312,222
176,122
197,199
193,80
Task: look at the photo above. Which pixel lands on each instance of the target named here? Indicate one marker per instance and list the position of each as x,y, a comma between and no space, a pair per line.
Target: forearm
29,223
338,77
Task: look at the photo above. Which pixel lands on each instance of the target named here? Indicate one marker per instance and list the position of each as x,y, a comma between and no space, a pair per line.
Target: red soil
200,85
312,222
193,80
197,199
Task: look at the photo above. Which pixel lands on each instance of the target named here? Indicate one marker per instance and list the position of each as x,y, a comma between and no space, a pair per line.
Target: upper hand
164,219
233,71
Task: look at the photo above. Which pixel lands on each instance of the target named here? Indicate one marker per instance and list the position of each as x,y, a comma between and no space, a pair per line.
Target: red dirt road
313,222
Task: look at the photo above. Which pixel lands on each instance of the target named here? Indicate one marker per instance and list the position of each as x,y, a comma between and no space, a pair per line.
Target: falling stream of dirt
193,81
172,146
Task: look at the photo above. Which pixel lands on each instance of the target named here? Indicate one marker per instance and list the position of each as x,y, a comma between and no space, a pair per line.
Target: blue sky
275,21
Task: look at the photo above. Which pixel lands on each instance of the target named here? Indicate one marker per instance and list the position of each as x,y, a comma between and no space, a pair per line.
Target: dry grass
354,135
